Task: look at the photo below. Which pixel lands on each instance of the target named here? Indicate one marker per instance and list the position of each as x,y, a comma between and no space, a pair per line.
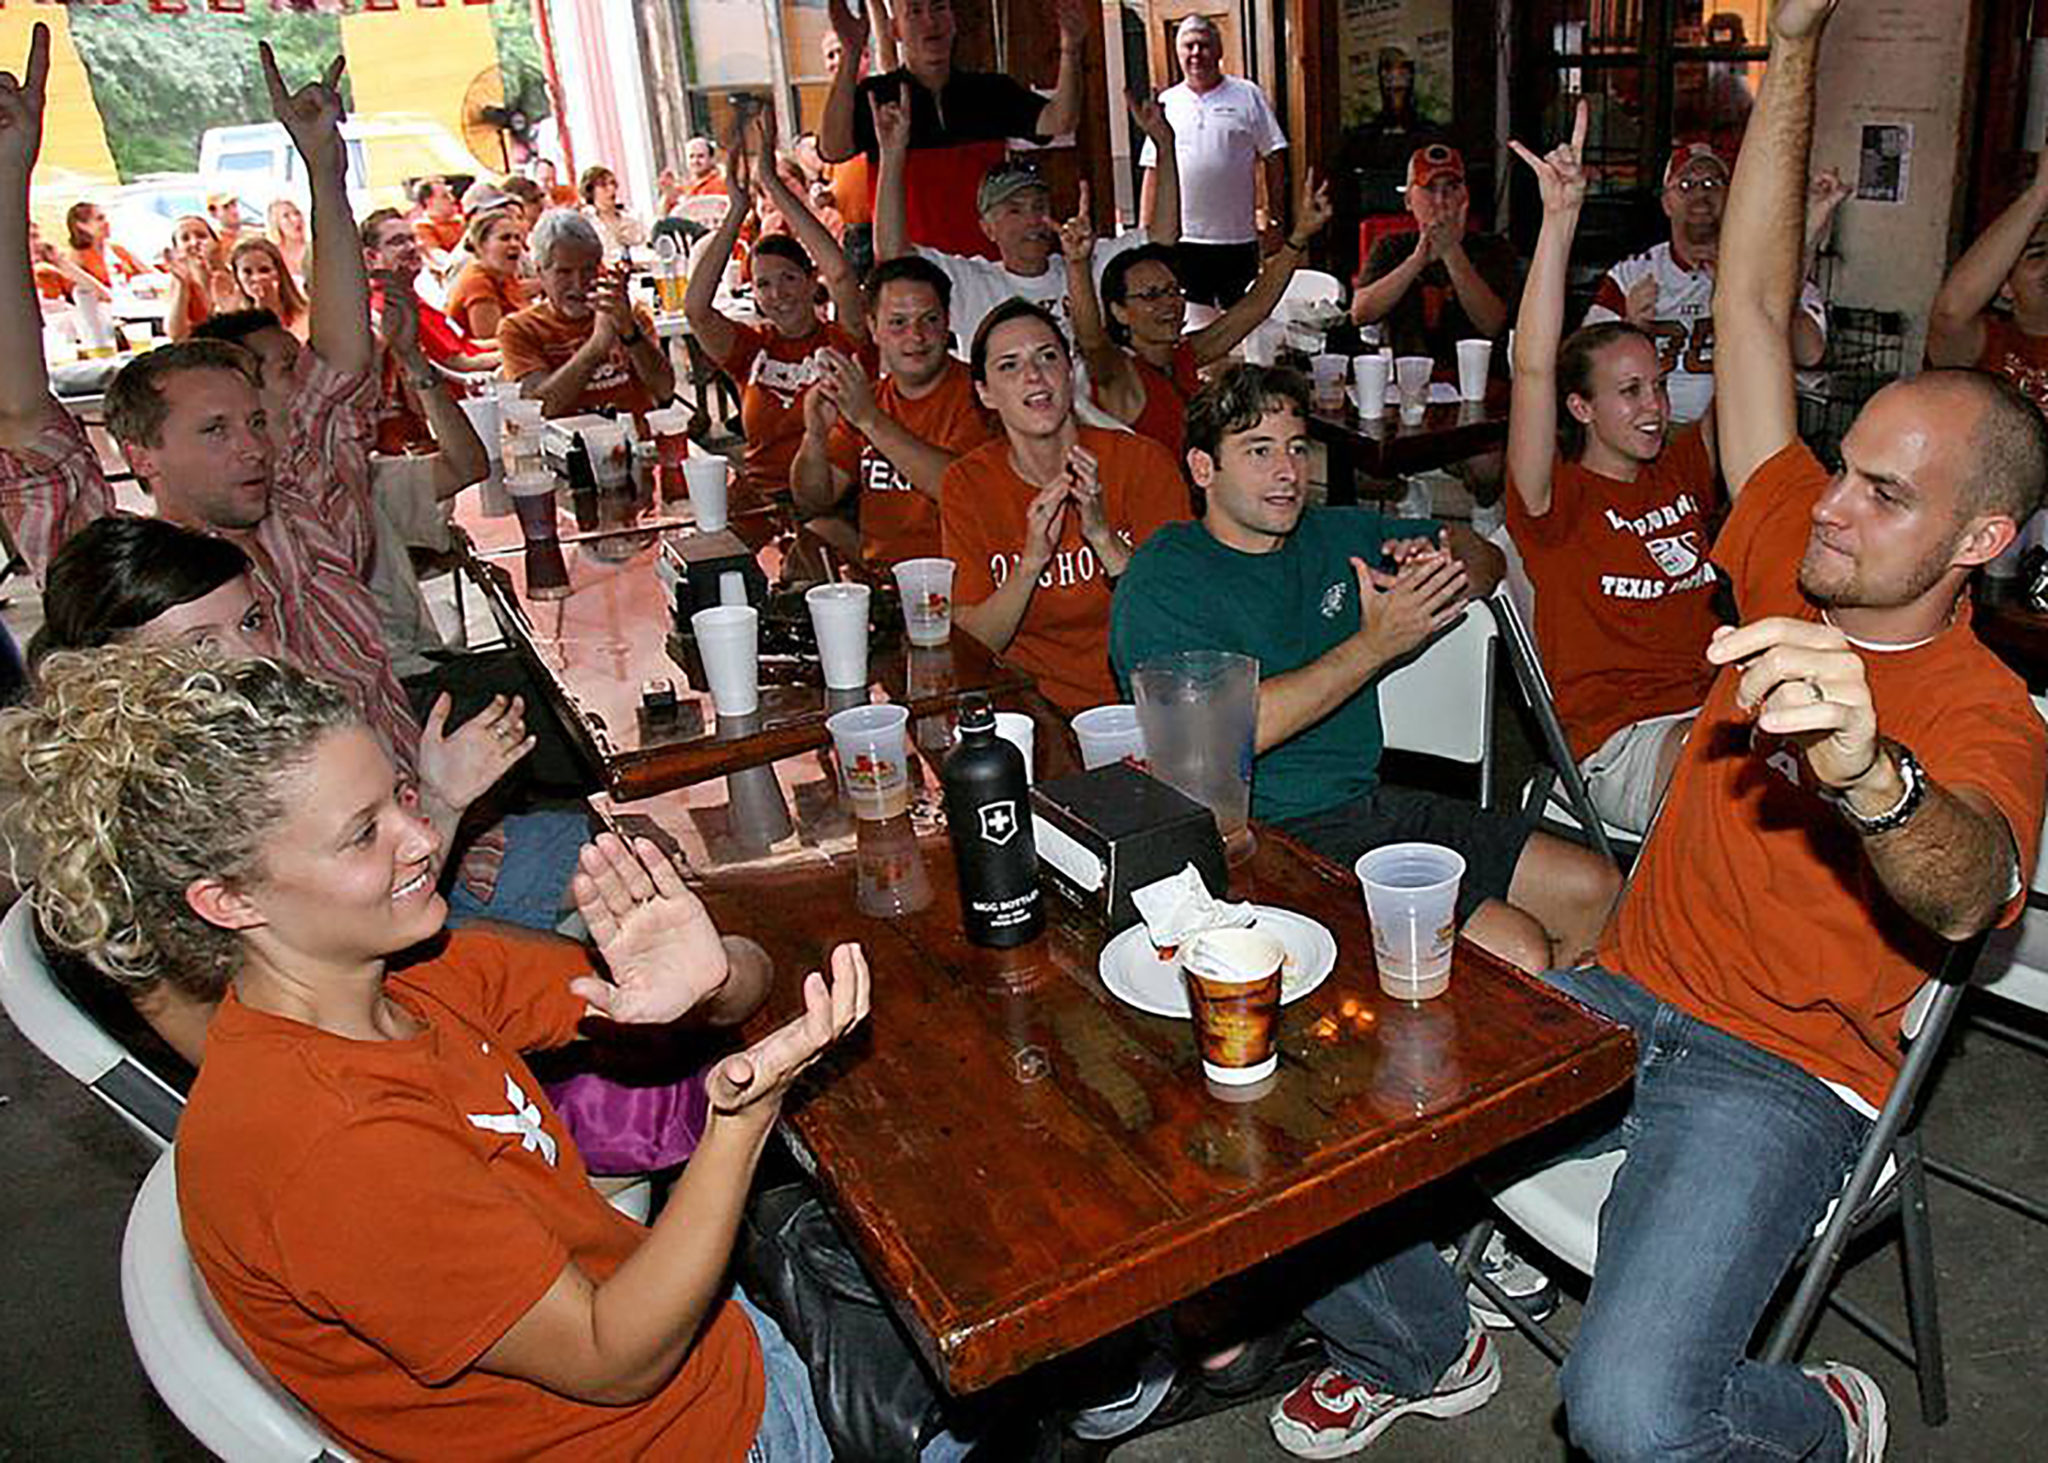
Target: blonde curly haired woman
370,1181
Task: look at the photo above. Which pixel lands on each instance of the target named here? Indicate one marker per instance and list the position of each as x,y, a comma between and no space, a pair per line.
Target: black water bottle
582,485
988,814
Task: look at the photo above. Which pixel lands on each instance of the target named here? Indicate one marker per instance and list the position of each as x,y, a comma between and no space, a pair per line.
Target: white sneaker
1332,1415
1127,1413
1861,1401
1522,1282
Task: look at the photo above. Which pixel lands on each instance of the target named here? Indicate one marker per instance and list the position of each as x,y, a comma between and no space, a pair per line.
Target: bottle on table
988,816
582,486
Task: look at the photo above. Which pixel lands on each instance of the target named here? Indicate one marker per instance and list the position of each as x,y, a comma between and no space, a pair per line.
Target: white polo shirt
979,285
1219,136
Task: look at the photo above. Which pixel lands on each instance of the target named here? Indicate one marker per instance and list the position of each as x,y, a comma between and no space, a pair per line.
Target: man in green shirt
1325,599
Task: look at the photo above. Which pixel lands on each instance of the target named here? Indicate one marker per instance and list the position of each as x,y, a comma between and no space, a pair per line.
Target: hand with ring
459,767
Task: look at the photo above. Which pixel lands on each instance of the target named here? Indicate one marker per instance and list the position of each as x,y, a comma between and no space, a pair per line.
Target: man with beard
1864,783
1668,289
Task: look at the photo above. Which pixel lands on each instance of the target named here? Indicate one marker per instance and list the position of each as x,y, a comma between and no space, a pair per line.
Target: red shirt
2019,357
1165,415
897,522
1754,906
1624,595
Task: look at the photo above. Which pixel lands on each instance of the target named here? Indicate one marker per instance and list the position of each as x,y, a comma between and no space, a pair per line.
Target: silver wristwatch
1911,774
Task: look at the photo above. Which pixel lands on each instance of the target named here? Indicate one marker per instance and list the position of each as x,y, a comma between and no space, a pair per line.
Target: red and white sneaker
1861,1402
1332,1415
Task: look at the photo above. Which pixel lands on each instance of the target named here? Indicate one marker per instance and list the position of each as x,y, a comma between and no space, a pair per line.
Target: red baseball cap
1427,164
1690,155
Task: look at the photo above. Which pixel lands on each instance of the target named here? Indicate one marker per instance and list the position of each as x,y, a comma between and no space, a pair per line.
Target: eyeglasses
1164,292
1709,184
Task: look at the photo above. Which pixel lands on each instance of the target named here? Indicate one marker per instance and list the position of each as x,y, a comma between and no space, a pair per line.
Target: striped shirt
310,558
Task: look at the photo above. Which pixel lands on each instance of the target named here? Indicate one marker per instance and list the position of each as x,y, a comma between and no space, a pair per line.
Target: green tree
161,80
519,59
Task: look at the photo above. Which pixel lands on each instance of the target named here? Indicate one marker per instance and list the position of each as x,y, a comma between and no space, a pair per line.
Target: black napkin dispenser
1105,832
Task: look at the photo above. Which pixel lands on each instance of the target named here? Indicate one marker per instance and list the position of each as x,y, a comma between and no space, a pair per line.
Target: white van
257,161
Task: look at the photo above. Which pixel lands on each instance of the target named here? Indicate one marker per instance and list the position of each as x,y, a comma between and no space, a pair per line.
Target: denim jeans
533,881
1733,1156
790,1431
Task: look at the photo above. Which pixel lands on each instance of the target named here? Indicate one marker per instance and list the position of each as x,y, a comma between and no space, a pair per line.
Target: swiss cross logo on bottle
998,821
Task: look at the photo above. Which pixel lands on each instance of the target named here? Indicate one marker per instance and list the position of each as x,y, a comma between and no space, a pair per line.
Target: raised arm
25,384
1532,410
1111,375
848,308
1761,245
892,147
1955,324
1162,225
712,326
340,287
1220,336
1062,113
836,128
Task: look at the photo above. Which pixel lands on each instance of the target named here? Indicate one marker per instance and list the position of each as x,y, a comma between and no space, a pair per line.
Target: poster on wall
1395,61
1884,162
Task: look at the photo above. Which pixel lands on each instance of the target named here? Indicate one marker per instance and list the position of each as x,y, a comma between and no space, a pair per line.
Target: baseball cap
1692,154
1427,164
1006,180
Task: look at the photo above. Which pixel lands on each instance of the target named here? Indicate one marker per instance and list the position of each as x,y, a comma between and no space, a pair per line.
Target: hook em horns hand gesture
1561,174
21,105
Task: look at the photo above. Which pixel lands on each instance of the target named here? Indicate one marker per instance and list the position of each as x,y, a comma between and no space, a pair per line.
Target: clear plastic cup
670,428
874,759
1019,731
1369,384
927,590
728,642
1233,981
1411,378
1199,713
1411,898
1474,357
706,477
1329,372
1109,734
839,619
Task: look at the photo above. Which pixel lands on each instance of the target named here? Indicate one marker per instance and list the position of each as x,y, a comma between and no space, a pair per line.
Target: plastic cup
1369,383
1411,898
1330,371
705,477
670,428
1233,981
874,759
839,618
533,499
521,424
482,412
927,589
1474,356
1109,734
728,642
1411,378
1199,712
1018,730
732,588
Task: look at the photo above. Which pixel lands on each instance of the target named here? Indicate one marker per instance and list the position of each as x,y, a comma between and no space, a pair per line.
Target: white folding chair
1311,287
55,1026
204,1371
1440,701
1559,1208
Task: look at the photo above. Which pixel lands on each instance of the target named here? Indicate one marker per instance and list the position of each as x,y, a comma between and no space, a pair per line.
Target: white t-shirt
1219,135
1684,323
979,285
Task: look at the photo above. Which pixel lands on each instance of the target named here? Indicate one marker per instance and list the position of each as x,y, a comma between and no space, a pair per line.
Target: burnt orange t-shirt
2019,357
1165,415
773,373
94,261
475,284
439,233
538,339
853,189
374,1215
1624,593
1754,907
1063,639
897,522
709,186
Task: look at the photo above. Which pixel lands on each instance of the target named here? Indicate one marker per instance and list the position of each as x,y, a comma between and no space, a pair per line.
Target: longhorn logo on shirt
785,379
524,1122
1676,555
1333,601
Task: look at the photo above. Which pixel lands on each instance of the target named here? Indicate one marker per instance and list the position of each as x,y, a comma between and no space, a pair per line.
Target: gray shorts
1621,774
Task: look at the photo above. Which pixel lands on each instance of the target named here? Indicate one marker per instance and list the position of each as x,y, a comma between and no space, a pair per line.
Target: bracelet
1913,792
1298,246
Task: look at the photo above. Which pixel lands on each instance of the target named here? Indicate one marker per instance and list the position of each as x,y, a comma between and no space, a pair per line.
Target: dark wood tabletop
1387,447
1028,1165
596,650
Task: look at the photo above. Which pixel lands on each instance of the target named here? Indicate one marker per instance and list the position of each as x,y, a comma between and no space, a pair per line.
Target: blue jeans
1733,1156
790,1431
533,882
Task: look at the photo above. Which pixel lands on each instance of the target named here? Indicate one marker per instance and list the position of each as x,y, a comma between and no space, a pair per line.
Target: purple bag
624,1128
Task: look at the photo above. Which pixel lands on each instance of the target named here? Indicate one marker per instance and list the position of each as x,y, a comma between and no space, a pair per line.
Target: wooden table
1386,447
595,650
1028,1165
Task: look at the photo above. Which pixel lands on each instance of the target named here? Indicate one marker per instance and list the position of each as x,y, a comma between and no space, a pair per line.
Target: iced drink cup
728,643
839,618
1109,734
1369,384
1411,379
874,759
1234,991
927,589
706,479
1474,356
1411,897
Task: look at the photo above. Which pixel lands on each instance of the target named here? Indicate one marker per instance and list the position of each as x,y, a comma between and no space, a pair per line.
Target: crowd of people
254,791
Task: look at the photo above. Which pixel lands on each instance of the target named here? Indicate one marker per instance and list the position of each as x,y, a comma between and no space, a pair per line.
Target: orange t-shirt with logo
538,339
1624,593
475,284
773,373
373,1216
439,233
1063,639
1754,906
2019,357
897,522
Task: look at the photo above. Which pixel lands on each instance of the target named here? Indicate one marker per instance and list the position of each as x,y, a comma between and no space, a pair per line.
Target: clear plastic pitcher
1199,710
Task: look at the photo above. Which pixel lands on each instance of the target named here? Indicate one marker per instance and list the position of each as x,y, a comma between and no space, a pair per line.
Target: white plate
1131,967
